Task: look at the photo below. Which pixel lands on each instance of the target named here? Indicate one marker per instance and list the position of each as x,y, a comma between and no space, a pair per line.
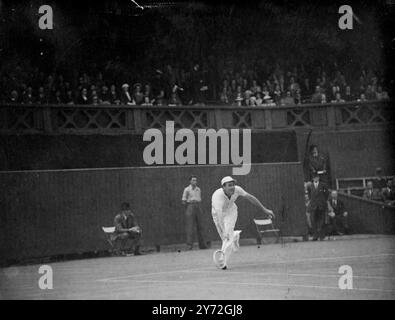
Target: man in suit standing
318,195
338,215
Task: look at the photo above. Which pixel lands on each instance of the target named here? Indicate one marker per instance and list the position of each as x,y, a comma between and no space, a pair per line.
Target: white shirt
191,194
221,204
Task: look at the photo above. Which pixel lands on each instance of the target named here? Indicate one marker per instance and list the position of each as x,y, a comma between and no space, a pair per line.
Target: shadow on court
303,270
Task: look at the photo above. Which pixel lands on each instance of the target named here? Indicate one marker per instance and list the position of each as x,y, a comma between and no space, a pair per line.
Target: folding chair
265,227
108,231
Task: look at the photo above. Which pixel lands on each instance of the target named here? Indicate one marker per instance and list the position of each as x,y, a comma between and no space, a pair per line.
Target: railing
356,185
118,119
368,216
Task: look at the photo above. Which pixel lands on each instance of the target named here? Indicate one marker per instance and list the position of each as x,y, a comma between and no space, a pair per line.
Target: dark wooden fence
46,213
367,216
121,119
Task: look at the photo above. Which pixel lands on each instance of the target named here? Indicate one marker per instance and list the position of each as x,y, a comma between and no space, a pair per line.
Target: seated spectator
160,99
224,97
288,100
114,99
369,93
126,228
95,100
268,101
323,97
338,215
317,96
388,193
83,97
254,87
138,96
380,94
293,85
298,97
174,100
247,97
277,94
348,96
239,99
126,98
338,98
332,95
105,96
42,97
57,99
258,100
147,102
362,98
28,97
370,193
265,91
69,99
148,92
14,98
252,101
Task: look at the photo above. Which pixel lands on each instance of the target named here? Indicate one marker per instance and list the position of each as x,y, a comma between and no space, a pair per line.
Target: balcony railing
119,119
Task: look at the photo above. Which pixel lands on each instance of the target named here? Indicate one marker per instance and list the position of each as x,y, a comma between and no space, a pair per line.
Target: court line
317,275
247,264
177,282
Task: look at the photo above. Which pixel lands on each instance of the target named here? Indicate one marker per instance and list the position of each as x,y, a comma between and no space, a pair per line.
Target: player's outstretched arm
256,202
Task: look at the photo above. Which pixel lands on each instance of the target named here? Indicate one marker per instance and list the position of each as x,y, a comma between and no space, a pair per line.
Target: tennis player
224,212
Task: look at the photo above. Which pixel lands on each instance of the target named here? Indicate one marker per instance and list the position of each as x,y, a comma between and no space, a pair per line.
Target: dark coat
318,196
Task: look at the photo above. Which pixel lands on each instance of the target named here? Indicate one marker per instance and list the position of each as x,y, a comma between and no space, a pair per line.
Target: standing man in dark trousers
317,208
192,198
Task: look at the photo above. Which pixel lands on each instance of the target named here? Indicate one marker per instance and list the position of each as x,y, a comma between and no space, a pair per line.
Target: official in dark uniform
318,194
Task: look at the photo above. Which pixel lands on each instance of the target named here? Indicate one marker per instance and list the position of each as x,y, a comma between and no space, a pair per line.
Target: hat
137,84
125,85
227,179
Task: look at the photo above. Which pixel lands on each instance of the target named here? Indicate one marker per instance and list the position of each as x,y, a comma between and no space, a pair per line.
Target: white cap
227,179
125,85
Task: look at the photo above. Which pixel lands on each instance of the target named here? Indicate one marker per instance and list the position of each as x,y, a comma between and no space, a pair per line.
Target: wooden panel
60,212
367,216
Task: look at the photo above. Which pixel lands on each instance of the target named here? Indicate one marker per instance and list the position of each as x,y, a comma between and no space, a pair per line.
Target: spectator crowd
380,189
252,85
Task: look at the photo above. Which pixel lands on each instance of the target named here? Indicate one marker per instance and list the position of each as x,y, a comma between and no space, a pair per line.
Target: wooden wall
59,212
366,216
353,153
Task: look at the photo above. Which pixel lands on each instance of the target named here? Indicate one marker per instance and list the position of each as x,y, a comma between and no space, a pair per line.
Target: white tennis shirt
221,204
